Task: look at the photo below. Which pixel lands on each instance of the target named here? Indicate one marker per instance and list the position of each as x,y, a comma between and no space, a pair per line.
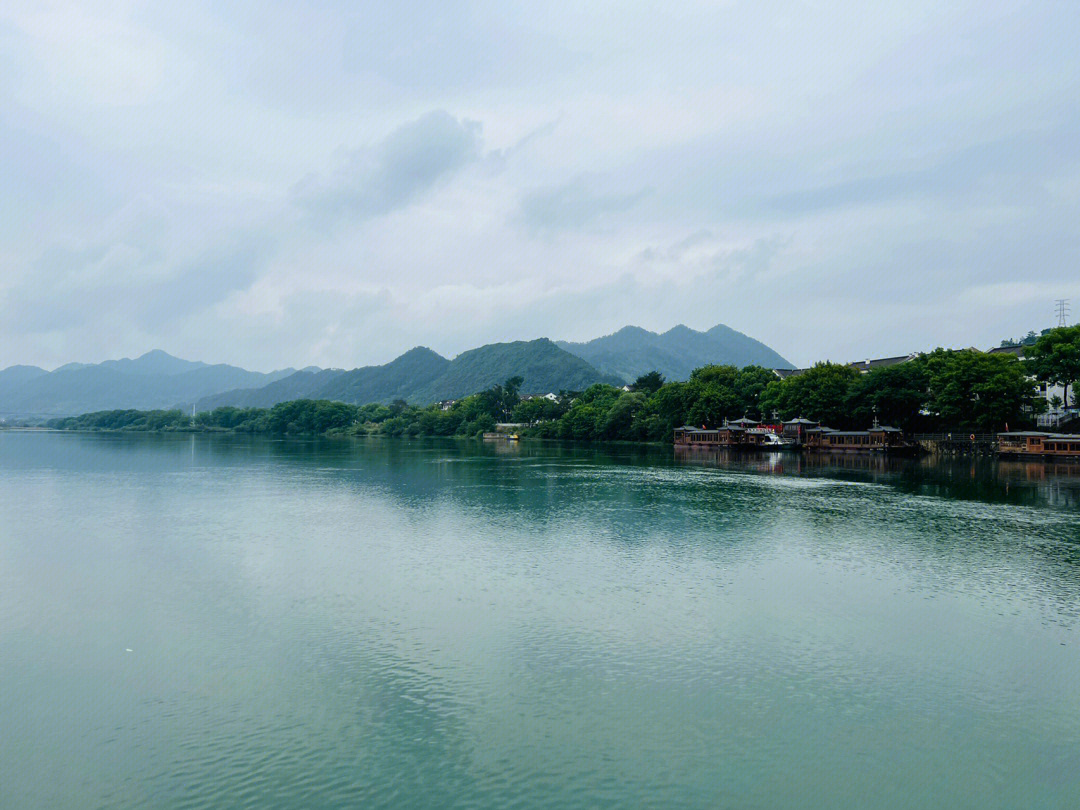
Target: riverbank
960,391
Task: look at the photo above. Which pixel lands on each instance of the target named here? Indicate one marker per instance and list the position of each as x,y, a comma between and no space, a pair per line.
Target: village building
795,429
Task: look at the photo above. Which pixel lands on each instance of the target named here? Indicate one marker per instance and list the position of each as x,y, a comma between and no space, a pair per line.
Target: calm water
218,622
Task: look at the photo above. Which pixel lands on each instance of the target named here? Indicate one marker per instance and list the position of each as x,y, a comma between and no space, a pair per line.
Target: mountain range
154,380
420,376
633,351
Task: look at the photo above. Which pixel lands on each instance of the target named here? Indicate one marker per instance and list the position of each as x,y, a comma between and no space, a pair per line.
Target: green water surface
224,622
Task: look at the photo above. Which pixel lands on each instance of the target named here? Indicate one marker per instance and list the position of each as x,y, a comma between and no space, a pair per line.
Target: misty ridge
419,376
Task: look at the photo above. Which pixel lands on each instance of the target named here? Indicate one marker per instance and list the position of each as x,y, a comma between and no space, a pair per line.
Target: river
230,622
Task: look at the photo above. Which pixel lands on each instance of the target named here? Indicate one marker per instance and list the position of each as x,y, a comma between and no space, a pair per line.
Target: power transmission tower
1061,309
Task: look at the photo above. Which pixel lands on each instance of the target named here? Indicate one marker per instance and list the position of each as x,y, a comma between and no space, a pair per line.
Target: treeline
470,416
942,390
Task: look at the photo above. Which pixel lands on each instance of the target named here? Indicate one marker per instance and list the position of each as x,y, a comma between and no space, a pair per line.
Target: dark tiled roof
1017,350
882,362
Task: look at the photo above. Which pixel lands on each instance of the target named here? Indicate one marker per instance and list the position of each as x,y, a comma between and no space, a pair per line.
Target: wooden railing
976,438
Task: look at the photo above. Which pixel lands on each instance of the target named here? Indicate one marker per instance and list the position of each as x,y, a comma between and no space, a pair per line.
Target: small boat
771,441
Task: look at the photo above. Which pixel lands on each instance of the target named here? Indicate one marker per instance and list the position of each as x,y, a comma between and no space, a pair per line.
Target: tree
649,383
710,395
618,421
984,392
820,393
1055,357
894,394
750,384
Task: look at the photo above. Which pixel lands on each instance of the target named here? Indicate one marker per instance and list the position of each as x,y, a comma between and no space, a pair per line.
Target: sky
272,184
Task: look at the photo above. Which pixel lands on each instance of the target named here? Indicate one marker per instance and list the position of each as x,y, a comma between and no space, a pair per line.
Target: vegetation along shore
941,390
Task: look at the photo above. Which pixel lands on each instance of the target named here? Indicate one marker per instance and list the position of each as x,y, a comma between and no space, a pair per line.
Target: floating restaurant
796,434
742,433
1033,444
878,439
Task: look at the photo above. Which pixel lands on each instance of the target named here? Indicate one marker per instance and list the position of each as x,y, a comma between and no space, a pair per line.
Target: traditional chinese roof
1017,350
882,362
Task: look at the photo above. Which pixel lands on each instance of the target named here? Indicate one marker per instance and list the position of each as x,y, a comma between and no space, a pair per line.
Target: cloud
373,181
836,179
573,205
1006,169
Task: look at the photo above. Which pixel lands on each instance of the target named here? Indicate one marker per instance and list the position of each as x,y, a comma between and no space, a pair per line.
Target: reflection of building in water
728,458
1056,482
1029,482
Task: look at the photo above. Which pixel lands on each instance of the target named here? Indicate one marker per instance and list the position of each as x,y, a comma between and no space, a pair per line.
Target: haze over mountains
633,351
154,380
420,376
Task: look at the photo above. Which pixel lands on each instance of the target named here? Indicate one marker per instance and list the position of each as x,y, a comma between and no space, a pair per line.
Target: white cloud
277,184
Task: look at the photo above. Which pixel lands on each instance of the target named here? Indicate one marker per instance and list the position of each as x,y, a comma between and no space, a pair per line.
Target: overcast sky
329,183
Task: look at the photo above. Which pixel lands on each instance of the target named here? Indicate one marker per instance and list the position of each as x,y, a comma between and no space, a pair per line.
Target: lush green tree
618,421
711,395
750,384
538,409
895,395
980,391
664,411
649,383
1055,357
820,393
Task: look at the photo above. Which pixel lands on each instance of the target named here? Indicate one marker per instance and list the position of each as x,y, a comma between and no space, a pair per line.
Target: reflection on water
1033,482
221,621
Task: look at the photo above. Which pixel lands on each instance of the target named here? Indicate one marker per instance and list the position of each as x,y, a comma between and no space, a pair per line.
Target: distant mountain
633,351
421,376
543,365
397,379
13,376
154,380
157,362
299,385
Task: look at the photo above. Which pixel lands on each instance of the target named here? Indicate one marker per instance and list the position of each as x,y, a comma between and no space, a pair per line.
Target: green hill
298,385
398,379
543,365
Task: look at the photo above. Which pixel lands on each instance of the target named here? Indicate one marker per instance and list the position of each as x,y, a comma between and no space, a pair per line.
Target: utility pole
1061,309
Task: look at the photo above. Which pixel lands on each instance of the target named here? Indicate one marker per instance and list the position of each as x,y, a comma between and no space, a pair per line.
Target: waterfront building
1037,444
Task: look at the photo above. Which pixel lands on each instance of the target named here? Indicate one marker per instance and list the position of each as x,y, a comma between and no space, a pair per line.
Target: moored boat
878,439
1036,444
